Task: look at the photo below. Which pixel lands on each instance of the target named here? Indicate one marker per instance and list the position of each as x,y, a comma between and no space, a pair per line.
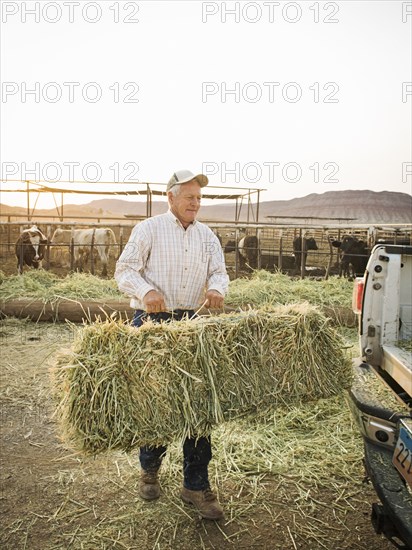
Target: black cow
271,262
248,255
301,245
219,237
230,246
353,256
29,248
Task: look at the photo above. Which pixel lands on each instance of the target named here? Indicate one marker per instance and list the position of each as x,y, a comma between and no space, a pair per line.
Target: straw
120,387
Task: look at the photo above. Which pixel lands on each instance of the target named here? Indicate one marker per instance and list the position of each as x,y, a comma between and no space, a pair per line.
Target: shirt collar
176,221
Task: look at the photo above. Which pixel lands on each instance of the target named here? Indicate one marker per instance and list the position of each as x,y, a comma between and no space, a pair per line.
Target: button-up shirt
179,263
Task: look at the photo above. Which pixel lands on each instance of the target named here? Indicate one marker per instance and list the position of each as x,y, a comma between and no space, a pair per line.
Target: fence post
47,258
338,258
121,241
303,252
92,253
280,250
327,272
21,256
72,254
236,252
9,234
47,254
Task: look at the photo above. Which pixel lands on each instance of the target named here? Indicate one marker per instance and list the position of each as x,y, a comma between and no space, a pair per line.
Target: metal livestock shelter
143,189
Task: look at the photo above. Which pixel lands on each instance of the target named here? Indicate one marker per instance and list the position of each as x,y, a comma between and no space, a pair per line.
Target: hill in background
357,206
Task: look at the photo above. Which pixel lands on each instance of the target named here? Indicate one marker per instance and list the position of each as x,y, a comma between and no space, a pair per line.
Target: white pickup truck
381,396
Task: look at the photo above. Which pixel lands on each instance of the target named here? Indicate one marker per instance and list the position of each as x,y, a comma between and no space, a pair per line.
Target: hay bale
120,387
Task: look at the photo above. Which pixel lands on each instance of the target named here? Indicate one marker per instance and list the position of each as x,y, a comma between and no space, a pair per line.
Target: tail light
357,295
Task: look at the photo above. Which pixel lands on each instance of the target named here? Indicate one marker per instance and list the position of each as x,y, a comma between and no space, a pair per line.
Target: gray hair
175,190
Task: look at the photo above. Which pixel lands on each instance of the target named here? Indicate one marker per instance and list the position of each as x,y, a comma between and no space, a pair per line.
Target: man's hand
214,300
154,302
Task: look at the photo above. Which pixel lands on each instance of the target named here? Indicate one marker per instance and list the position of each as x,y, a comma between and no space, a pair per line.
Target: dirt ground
52,498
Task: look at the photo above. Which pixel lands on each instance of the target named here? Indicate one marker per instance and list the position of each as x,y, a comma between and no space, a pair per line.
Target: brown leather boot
149,487
204,501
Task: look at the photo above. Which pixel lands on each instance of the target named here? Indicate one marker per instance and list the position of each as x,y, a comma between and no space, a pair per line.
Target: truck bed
397,362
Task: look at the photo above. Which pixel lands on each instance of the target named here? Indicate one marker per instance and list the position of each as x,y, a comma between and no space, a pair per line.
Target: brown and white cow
29,248
101,238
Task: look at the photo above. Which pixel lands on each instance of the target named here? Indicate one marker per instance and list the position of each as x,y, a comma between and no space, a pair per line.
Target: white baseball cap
183,176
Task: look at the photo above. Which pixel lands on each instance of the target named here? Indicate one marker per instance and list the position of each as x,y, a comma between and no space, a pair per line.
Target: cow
29,248
271,262
301,245
219,237
247,251
249,248
353,256
230,246
101,238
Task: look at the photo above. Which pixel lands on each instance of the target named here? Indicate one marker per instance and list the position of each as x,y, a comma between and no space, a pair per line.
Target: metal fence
273,250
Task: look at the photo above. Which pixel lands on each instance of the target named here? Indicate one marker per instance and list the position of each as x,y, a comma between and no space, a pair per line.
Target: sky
291,97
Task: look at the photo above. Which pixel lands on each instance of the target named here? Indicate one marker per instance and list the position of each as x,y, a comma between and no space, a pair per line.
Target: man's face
185,205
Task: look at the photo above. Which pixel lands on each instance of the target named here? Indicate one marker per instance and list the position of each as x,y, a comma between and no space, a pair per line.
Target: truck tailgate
398,363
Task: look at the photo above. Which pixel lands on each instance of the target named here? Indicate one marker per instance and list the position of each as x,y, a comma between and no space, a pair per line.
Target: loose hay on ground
251,456
308,484
265,288
121,387
45,286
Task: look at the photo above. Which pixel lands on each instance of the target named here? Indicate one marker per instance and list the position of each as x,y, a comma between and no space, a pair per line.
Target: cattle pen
298,246
274,244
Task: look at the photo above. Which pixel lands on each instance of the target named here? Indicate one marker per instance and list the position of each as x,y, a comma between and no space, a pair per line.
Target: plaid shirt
180,264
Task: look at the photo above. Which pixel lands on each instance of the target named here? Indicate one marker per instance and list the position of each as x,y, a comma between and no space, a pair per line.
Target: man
171,265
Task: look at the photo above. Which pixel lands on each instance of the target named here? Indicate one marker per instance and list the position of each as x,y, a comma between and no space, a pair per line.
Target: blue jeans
197,452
